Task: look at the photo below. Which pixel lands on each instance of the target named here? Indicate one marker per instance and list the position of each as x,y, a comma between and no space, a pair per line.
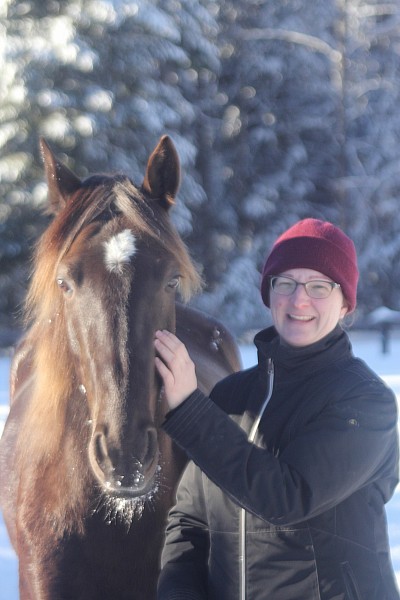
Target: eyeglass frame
333,286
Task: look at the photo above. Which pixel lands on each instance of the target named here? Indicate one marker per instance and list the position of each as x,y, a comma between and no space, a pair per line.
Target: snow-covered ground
366,345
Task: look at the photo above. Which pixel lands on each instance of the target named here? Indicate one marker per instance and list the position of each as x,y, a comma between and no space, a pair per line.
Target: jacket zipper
350,583
242,513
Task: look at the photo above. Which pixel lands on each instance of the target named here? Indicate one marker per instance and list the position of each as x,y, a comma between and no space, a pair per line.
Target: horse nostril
151,448
104,456
100,446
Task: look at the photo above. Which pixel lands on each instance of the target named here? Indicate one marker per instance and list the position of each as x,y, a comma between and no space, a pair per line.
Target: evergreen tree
101,80
280,140
309,128
371,35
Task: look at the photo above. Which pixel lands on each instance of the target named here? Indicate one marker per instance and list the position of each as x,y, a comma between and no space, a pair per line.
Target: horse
86,474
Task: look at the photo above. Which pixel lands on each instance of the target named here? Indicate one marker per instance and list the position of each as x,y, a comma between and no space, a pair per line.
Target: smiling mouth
303,319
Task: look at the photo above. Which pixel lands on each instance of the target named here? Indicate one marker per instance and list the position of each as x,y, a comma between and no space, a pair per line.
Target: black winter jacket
313,484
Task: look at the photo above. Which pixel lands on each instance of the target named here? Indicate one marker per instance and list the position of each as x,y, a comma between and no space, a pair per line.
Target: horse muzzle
130,473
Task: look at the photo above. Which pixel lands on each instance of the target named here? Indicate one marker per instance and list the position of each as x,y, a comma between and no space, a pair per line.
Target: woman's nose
300,295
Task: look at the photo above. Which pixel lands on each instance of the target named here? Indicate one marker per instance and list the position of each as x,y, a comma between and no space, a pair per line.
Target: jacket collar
333,347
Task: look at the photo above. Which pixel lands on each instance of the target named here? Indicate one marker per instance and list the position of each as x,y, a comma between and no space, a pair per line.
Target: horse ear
61,181
163,173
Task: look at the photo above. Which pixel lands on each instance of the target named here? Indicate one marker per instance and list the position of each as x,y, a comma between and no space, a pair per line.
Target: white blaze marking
119,250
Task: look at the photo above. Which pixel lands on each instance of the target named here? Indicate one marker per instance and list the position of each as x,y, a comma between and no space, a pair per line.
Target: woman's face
301,320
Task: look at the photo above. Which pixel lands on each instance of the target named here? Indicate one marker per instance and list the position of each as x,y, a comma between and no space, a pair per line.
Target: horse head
108,269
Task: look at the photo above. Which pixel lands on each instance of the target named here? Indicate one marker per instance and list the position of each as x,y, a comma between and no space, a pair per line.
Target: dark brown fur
86,475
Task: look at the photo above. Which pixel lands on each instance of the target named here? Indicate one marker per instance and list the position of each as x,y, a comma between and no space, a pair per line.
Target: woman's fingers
175,367
170,345
167,346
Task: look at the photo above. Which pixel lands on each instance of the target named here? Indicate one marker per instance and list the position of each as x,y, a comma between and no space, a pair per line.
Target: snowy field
365,345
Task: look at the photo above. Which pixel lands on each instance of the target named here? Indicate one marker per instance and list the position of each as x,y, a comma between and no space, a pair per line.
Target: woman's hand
175,367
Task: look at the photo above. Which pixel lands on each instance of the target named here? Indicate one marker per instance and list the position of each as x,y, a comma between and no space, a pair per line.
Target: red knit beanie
317,245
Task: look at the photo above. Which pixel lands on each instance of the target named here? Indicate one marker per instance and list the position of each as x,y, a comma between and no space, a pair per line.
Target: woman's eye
284,287
63,285
320,287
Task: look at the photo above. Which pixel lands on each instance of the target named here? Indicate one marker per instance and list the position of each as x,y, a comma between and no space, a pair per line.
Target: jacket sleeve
352,442
185,554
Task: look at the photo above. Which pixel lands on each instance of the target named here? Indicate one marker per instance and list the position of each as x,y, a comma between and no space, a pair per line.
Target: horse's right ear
162,176
61,181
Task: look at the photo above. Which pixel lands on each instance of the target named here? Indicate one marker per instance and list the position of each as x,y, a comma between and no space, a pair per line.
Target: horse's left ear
61,181
163,173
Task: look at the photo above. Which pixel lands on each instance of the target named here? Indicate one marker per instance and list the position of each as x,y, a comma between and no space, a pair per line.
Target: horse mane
101,197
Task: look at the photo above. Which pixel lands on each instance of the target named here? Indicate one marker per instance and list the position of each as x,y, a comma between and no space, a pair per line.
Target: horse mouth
137,485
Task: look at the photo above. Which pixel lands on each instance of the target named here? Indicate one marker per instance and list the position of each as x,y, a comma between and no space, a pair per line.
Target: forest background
279,109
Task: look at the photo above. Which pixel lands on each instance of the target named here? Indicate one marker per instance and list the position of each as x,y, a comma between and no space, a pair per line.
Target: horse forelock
149,218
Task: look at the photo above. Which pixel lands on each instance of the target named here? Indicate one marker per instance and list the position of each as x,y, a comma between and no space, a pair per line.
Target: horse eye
63,285
174,282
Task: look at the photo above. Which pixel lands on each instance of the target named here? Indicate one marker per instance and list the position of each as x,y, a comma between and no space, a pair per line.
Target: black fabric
314,483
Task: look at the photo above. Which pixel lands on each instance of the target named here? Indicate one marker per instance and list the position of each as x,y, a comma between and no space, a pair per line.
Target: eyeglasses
316,288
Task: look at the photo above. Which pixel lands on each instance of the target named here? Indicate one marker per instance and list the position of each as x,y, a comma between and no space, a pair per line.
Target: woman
292,460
